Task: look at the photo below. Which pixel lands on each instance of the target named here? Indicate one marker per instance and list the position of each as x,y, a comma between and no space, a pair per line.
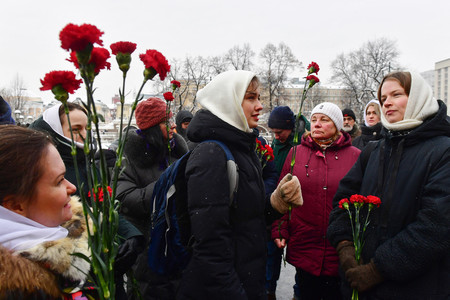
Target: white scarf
421,104
19,233
223,97
374,101
51,117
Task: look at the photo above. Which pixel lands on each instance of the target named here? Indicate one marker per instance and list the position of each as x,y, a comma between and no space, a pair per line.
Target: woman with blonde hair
371,130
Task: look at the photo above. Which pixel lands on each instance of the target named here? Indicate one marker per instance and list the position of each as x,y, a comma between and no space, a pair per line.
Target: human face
322,127
50,204
348,123
163,128
394,100
281,134
252,105
78,120
372,117
185,125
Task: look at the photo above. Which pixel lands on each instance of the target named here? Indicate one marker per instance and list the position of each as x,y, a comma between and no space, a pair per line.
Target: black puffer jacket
409,235
229,250
372,133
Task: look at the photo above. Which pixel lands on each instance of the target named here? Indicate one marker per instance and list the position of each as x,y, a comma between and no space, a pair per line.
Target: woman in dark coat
371,130
322,159
406,254
229,240
146,157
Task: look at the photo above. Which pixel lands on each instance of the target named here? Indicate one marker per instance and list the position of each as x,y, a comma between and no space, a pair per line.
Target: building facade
441,81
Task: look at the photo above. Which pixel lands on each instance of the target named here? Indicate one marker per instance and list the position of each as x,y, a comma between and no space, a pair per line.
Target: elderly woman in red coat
322,159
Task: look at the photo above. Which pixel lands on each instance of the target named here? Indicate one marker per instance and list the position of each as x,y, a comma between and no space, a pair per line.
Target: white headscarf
376,102
51,117
421,104
19,233
223,97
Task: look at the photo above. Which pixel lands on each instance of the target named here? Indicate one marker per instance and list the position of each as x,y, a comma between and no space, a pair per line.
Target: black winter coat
229,249
372,133
138,178
409,235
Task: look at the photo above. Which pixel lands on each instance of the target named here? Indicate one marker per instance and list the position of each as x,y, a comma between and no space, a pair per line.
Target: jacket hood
206,126
223,97
5,113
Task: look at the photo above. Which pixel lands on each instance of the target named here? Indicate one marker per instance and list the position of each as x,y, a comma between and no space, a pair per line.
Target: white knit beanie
332,111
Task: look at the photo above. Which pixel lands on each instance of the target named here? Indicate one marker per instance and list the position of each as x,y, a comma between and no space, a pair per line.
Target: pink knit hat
151,112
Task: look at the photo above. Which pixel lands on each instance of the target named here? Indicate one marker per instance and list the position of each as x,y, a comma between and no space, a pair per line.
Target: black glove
364,277
346,252
128,253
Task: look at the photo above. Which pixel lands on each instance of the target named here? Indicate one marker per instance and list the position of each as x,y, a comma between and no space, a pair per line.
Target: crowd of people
401,154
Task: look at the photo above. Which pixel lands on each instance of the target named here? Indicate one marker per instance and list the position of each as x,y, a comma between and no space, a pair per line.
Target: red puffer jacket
319,172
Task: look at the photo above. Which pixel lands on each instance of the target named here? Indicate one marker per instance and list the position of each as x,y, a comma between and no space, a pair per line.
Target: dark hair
21,154
156,143
72,106
403,78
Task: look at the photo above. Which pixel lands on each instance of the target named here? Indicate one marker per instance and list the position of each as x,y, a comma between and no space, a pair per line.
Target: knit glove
346,252
364,277
287,192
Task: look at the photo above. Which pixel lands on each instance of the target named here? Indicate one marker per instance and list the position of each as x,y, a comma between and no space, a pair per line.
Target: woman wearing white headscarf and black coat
371,130
406,254
229,247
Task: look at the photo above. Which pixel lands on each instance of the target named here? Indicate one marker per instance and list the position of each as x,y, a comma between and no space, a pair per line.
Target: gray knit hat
332,111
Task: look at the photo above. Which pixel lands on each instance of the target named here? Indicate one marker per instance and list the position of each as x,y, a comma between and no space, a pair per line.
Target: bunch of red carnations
354,205
101,208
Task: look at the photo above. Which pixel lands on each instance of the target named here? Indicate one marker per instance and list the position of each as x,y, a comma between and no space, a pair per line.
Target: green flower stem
168,129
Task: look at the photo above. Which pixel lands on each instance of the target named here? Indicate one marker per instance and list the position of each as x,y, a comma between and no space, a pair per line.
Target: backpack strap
232,169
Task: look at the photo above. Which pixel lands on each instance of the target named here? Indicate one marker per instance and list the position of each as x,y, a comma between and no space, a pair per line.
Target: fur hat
281,117
347,112
332,111
151,112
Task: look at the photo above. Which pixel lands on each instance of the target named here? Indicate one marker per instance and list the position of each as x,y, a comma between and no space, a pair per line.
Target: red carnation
373,200
123,47
155,63
312,80
175,84
313,68
100,195
357,199
269,153
77,38
65,78
168,96
343,204
97,61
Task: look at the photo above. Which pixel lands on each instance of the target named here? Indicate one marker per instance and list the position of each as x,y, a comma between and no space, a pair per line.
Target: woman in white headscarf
406,254
371,130
229,239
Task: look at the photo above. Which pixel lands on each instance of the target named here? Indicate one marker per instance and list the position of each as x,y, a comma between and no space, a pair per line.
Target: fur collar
57,255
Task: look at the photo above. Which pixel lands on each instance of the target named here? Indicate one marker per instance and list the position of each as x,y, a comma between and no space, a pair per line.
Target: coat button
324,187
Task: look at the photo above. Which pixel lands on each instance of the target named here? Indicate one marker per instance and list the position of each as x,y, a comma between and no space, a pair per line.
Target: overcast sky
314,30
